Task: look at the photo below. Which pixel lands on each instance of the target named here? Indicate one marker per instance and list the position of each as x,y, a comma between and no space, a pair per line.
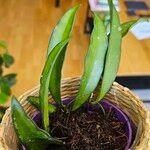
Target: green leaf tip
114,49
63,28
128,25
94,62
61,32
113,53
27,131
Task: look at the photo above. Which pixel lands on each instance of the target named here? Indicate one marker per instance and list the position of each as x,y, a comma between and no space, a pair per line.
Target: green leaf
50,65
128,25
10,79
63,28
61,32
3,97
113,53
35,102
5,88
125,27
27,131
94,62
3,44
55,77
8,60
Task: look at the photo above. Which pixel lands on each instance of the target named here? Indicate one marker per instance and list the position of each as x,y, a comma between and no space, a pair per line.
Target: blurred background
26,26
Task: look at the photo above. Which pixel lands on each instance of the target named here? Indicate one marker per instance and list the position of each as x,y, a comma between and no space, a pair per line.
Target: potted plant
92,112
6,80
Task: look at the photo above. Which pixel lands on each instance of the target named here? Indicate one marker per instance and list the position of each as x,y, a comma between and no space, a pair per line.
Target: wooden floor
26,26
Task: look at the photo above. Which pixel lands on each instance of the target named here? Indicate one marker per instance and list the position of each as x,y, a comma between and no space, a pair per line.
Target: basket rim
6,117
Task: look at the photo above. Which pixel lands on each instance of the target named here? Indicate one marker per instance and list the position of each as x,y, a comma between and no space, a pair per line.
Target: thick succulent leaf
10,79
3,44
35,102
61,32
55,78
113,53
50,65
63,28
125,27
128,25
94,62
27,131
8,60
35,138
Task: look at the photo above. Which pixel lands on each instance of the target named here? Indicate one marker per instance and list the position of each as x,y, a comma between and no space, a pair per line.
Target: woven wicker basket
118,95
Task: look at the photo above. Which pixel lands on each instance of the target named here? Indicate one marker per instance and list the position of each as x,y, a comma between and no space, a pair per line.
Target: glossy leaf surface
113,53
50,65
61,32
63,28
27,131
94,62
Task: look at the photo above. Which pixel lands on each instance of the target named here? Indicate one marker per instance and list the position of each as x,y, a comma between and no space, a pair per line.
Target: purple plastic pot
120,115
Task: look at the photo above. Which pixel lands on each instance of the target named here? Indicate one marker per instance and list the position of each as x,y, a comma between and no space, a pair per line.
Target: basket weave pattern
119,95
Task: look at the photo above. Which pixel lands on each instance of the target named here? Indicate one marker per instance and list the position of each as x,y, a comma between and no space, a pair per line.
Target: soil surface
88,130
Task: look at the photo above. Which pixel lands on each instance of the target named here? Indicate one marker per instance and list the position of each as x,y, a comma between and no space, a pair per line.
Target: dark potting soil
84,130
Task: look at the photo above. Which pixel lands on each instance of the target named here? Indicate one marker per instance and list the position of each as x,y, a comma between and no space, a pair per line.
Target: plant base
93,127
